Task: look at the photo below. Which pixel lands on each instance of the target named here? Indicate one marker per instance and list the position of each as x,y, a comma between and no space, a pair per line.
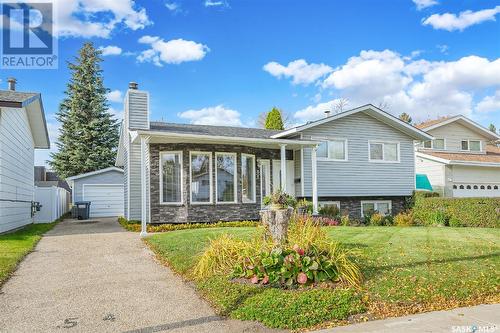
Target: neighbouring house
462,160
360,160
103,188
52,193
22,130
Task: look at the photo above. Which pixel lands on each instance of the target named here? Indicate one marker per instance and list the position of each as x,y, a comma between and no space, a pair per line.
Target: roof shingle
15,96
429,123
492,155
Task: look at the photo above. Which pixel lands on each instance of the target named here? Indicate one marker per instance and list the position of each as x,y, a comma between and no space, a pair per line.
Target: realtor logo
28,41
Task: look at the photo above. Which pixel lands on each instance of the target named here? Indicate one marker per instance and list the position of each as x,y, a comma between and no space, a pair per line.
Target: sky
225,62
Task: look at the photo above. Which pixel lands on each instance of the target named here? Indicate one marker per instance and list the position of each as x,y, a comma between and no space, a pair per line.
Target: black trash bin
82,210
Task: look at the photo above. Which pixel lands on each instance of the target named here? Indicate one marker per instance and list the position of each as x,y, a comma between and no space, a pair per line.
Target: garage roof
92,173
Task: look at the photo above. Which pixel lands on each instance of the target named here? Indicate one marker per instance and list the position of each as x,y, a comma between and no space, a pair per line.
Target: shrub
330,211
376,219
467,212
404,219
388,220
344,220
304,206
136,225
326,221
280,199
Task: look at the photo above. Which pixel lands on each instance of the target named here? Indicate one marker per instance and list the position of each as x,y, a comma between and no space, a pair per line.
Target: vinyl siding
454,133
297,159
435,172
137,107
110,177
16,169
475,175
358,176
135,181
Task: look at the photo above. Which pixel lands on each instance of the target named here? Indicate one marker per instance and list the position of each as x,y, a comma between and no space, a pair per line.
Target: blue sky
224,62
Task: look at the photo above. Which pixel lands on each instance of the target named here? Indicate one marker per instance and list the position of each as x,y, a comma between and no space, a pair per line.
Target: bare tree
384,105
340,104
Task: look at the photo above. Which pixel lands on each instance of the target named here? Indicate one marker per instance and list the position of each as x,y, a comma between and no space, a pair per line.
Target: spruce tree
274,120
88,137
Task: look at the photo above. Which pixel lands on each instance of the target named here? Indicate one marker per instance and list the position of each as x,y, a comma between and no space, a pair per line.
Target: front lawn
15,246
407,270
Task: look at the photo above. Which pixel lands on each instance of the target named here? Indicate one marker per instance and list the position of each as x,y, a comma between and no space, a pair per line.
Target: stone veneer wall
166,213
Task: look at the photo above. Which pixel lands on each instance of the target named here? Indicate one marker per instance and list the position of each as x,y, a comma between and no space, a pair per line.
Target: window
171,177
329,203
248,178
201,177
225,176
428,144
465,145
475,145
384,151
438,144
382,207
335,149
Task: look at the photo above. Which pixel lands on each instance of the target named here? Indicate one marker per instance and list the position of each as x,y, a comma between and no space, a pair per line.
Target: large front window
171,177
248,178
384,152
335,149
226,177
201,177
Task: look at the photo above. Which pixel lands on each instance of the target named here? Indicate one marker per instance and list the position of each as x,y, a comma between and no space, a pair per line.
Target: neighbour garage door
106,200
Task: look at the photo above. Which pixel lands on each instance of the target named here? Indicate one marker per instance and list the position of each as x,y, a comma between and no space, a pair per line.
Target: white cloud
299,70
214,115
173,51
443,48
317,111
489,103
118,114
93,18
212,3
425,89
421,4
115,96
451,22
110,50
172,6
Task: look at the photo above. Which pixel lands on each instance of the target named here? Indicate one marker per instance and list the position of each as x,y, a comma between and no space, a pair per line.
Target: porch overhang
170,137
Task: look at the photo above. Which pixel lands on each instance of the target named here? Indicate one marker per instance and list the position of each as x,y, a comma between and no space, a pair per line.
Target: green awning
423,183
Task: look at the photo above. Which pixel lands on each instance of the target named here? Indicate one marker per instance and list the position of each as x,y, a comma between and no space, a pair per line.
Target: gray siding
125,182
358,176
137,109
134,156
297,159
454,133
109,177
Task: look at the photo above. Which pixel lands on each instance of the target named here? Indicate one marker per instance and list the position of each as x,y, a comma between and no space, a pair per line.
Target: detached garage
103,188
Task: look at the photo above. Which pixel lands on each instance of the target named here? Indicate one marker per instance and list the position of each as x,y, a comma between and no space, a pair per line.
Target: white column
283,167
314,180
144,175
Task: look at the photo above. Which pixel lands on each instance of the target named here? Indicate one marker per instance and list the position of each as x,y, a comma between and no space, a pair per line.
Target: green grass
15,246
406,270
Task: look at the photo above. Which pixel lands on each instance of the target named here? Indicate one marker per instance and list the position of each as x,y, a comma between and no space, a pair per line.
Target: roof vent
327,113
12,83
133,85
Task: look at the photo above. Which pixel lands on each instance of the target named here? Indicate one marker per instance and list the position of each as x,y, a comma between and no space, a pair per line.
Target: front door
265,179
290,176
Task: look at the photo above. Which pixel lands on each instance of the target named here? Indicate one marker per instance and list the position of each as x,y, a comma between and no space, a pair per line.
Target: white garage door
106,200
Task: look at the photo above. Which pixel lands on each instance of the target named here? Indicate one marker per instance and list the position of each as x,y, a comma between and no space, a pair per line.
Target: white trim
268,177
254,179
421,134
209,153
467,120
302,171
128,176
468,145
92,173
314,179
455,162
331,139
235,179
283,180
383,143
376,202
181,160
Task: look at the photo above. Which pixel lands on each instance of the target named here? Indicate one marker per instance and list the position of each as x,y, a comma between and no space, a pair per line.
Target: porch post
314,180
144,162
283,167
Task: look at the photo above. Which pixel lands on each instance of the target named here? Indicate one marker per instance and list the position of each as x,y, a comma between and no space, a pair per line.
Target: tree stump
276,223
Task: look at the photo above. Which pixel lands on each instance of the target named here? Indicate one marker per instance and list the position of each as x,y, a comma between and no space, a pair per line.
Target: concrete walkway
95,277
484,318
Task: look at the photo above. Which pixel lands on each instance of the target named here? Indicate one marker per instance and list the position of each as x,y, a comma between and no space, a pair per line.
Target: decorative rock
276,223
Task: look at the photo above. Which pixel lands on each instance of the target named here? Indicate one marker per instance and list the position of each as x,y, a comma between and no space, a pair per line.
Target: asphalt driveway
96,277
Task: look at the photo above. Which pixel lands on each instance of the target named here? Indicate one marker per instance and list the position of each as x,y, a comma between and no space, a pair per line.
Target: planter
276,222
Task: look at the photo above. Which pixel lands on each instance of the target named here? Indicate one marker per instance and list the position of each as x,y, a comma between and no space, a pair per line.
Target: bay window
201,177
225,177
383,151
171,177
248,178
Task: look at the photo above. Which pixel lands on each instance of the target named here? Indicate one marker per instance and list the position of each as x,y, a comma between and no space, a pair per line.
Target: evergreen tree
405,117
493,128
274,120
88,137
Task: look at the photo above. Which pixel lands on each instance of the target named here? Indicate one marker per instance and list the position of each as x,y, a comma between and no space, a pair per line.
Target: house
361,160
47,178
103,188
462,159
22,130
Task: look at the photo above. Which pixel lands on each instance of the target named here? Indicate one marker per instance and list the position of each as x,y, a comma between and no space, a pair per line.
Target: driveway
96,277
